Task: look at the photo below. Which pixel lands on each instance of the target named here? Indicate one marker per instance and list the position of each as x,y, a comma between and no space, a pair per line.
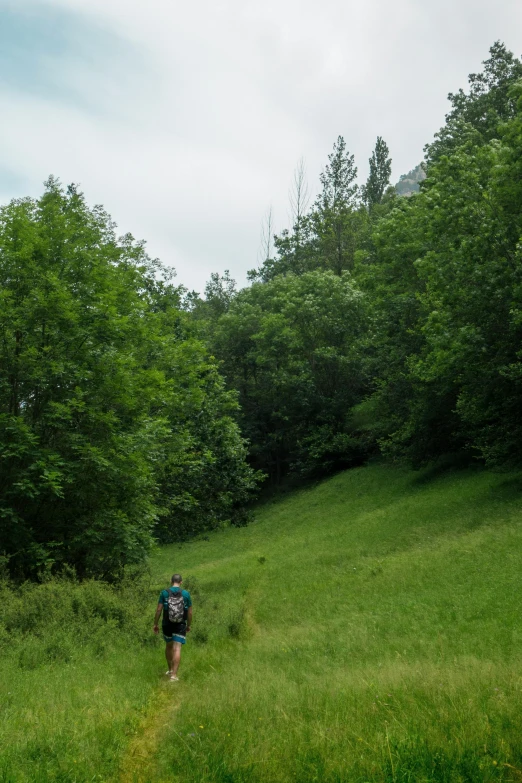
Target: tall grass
76,667
381,637
365,630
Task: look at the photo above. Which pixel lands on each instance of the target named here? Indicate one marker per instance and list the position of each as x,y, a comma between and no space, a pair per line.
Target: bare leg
169,654
176,657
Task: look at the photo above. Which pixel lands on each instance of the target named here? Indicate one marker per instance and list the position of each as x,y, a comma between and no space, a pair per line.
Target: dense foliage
444,278
114,422
289,347
380,323
414,303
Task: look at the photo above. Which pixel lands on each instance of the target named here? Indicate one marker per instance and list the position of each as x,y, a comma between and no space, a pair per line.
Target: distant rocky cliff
409,183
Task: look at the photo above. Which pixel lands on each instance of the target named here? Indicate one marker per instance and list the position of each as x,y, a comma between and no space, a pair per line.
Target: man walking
176,605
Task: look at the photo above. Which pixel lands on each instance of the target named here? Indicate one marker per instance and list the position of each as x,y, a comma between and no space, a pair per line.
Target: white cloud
187,144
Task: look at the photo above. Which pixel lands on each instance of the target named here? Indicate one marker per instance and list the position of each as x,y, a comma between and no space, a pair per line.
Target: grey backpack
176,606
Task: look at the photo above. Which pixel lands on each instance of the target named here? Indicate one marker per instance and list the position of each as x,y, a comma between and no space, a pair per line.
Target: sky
187,120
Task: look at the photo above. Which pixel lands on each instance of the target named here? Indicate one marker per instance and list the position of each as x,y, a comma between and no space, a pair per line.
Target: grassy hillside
366,629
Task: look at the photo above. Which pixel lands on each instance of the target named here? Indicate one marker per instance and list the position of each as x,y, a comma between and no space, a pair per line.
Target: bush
65,616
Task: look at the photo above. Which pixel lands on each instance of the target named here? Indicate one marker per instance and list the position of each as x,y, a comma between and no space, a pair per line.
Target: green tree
488,103
440,273
290,348
335,218
77,447
473,286
379,176
203,477
92,405
387,274
327,236
218,295
444,287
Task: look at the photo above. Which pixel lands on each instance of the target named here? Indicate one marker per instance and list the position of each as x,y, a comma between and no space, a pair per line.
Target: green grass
366,629
76,670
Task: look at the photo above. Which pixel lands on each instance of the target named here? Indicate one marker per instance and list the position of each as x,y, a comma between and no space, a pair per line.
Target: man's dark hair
176,578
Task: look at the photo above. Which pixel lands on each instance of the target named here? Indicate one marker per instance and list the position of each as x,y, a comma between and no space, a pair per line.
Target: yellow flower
201,727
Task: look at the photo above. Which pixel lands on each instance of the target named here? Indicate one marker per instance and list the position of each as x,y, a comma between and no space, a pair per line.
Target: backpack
176,607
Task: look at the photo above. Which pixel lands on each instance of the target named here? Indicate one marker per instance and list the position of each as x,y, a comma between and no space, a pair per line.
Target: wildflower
201,727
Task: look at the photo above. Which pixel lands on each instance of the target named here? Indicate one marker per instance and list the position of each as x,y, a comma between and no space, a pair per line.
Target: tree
219,292
291,246
379,176
289,346
473,286
327,236
445,290
102,392
487,104
387,274
335,218
203,477
77,446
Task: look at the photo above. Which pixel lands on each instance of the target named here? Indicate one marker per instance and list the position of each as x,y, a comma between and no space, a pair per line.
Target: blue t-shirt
164,599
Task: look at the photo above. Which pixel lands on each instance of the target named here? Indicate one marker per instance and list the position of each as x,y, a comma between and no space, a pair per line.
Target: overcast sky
186,120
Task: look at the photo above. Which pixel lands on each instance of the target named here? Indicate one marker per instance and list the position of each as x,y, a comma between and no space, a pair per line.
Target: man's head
176,579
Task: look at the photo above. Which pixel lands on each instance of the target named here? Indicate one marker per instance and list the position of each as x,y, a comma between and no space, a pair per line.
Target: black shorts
174,632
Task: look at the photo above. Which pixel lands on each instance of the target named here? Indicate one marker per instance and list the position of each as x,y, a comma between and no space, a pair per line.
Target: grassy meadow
365,629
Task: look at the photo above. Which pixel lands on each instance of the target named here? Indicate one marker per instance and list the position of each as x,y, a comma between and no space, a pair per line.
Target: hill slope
366,629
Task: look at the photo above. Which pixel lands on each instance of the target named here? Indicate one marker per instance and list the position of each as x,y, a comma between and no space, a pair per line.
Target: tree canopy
133,411
430,363
114,422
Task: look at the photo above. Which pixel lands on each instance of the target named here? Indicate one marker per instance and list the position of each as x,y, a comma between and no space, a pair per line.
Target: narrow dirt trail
139,762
